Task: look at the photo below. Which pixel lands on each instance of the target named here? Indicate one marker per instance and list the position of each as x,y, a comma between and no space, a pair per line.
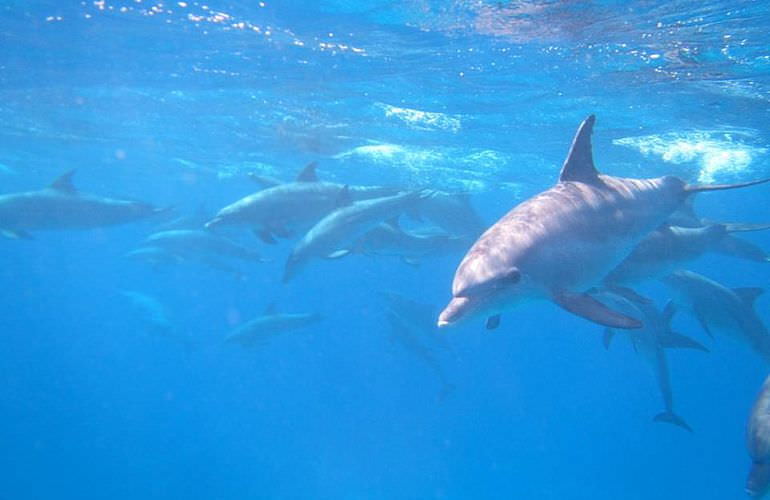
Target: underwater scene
386,249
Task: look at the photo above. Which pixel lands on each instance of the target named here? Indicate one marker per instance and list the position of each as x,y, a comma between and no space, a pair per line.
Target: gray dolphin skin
333,235
389,239
281,210
451,212
650,342
717,307
271,323
197,242
563,241
758,443
61,206
669,247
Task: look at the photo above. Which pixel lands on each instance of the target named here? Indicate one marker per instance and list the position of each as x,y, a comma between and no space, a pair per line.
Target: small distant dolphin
389,239
716,306
271,323
61,206
199,242
563,241
669,247
154,315
758,443
333,235
282,209
650,341
195,220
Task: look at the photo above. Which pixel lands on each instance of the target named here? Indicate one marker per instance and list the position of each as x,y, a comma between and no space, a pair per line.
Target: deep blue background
174,107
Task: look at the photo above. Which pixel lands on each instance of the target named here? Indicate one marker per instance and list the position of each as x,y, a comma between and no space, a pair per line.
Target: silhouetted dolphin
669,247
389,239
758,443
258,330
718,307
282,209
61,206
650,341
452,212
333,235
196,243
563,241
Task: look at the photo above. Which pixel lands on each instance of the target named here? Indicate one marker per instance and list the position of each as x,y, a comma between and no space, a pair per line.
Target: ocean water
175,103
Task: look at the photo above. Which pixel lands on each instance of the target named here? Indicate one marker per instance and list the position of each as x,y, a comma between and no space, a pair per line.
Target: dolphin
650,341
195,220
332,236
281,209
61,206
271,323
154,316
198,242
716,306
758,443
389,239
669,247
451,212
561,242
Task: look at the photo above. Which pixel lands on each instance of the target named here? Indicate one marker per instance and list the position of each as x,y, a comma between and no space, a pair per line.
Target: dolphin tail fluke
696,188
674,340
672,418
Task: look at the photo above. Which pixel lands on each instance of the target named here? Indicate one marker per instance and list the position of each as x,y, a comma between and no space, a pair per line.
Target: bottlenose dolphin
717,307
333,235
563,241
650,341
154,316
61,206
758,443
452,212
198,242
281,210
195,220
271,323
390,239
668,247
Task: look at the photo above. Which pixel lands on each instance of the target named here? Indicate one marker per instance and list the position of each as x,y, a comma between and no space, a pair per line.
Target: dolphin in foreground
282,209
669,247
61,206
271,323
717,307
333,235
758,443
650,341
561,242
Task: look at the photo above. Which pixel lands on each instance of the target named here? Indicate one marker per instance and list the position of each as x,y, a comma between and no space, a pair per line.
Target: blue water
174,103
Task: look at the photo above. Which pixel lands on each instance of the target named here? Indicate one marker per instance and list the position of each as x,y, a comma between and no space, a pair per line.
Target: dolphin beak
443,323
457,309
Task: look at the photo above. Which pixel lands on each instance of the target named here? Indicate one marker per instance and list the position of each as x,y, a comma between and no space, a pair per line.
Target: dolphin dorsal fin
64,183
308,173
749,294
579,165
270,309
343,198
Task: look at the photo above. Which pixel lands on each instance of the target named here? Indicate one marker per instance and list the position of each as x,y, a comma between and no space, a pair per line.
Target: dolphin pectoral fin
629,294
748,294
674,340
609,333
265,235
493,322
672,418
16,234
587,307
338,254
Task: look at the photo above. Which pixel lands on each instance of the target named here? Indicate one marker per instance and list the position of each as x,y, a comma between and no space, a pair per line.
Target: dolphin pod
61,206
561,242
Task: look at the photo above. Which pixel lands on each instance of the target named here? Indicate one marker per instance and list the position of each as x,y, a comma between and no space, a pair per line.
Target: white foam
423,120
717,154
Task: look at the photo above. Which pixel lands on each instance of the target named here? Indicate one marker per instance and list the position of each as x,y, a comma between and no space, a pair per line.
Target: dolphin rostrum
332,236
61,206
271,323
561,242
758,443
282,209
717,307
650,341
